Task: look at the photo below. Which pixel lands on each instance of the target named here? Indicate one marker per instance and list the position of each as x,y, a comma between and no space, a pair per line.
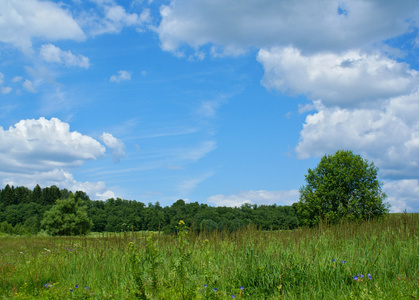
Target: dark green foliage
36,195
343,185
50,195
25,208
67,217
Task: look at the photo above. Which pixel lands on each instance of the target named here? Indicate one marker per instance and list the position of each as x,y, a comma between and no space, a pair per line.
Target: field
373,260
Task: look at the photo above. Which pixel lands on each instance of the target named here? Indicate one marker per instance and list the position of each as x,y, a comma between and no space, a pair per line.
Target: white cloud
122,76
28,86
22,21
41,152
197,153
387,135
51,53
188,185
116,145
308,25
6,90
34,145
60,178
16,79
345,79
114,18
403,195
260,197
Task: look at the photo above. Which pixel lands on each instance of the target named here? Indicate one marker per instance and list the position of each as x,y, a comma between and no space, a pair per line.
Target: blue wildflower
205,286
232,296
71,289
333,260
215,290
369,276
76,286
242,288
344,261
46,284
355,278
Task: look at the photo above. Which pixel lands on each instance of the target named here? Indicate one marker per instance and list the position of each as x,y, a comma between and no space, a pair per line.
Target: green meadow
376,259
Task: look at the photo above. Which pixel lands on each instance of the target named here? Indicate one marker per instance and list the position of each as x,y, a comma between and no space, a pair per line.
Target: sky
210,101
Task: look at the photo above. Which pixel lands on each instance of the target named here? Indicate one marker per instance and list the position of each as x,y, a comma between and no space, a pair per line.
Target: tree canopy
343,185
67,217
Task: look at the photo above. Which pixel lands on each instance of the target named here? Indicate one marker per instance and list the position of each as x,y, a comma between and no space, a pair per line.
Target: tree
343,185
36,194
67,217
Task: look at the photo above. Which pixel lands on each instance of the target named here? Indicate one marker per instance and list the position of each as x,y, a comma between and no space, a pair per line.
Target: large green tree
343,185
67,217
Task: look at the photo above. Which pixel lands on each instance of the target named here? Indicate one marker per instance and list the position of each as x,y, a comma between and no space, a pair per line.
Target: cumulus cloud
16,79
387,135
403,195
42,152
28,86
22,21
33,145
116,145
122,76
51,53
308,25
60,178
260,197
6,90
114,18
345,79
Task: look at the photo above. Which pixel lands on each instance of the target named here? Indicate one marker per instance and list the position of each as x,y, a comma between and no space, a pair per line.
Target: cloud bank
23,21
255,197
44,151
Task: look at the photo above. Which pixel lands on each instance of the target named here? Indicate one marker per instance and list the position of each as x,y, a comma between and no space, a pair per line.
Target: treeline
22,210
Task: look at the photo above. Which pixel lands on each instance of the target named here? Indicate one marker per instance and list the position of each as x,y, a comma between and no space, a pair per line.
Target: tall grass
326,262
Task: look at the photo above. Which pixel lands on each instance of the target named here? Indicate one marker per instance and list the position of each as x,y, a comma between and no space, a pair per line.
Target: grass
317,263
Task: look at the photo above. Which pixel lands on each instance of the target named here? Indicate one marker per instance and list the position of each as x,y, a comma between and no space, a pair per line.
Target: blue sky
219,102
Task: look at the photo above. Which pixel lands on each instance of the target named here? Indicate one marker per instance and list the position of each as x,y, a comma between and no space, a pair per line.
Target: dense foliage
343,185
67,217
22,210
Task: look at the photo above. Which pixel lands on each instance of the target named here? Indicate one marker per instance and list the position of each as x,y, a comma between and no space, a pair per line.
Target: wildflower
344,261
181,222
369,276
46,284
205,286
242,288
87,288
71,289
232,296
333,260
215,290
355,278
76,286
